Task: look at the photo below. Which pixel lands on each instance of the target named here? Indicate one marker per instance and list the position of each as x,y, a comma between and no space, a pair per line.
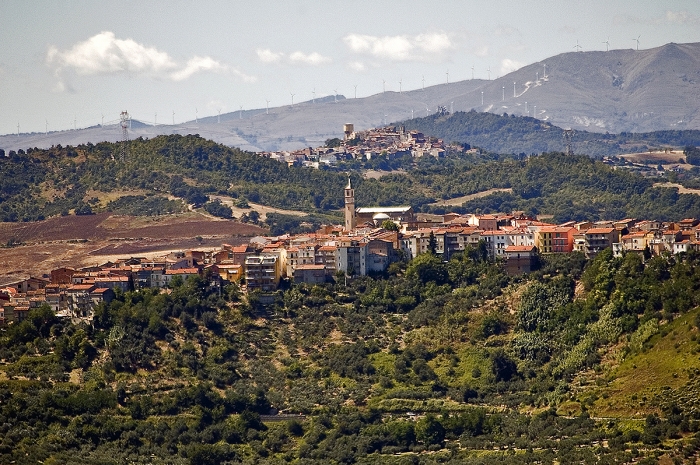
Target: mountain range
615,91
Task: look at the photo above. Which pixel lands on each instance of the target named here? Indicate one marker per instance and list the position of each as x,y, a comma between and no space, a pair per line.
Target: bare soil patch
92,239
681,189
457,201
672,157
261,209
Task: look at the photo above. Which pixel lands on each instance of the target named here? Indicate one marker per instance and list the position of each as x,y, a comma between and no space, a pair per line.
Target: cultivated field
93,239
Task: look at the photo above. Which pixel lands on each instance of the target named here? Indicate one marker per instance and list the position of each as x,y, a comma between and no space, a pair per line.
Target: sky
78,63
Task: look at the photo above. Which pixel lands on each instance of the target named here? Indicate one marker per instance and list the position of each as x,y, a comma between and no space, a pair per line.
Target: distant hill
615,91
517,134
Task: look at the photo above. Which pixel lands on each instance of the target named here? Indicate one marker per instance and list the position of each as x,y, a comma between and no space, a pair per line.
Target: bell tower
350,219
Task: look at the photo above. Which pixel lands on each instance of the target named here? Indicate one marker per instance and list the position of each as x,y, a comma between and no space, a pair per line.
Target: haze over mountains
615,91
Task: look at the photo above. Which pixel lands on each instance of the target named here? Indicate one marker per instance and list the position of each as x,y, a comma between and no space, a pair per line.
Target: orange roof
310,267
600,230
183,271
520,248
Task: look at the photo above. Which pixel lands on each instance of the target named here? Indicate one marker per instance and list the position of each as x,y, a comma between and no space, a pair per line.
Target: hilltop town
371,239
389,142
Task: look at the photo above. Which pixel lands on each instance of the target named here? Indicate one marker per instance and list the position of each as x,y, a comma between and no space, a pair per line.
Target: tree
692,155
429,430
390,225
432,243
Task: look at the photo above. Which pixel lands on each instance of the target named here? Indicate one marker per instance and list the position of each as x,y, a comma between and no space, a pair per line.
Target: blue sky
73,63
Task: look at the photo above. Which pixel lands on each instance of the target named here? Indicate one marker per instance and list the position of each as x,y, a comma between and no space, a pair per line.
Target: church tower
349,207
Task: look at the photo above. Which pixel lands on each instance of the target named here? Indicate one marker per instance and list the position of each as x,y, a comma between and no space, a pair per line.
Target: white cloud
682,17
508,65
104,53
296,58
423,47
313,58
268,56
357,66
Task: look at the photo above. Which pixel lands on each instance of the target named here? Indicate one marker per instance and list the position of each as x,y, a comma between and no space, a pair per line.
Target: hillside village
369,242
390,142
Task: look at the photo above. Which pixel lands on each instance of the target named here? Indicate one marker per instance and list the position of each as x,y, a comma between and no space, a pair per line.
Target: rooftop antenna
267,107
355,90
125,121
218,118
607,44
577,47
292,98
482,97
637,40
472,72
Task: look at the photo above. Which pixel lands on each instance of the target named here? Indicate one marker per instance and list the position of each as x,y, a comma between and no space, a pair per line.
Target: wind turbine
47,126
356,91
218,118
383,86
607,44
513,88
103,119
423,82
196,120
504,94
482,97
447,77
335,98
173,117
17,129
427,111
240,112
411,113
155,120
400,86
577,47
472,72
637,40
267,107
313,93
489,70
545,71
292,98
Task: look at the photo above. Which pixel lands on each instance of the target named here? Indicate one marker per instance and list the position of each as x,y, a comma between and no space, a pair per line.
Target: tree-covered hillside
436,362
526,135
42,183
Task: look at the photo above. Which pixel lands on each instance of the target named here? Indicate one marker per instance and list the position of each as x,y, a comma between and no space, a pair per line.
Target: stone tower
349,207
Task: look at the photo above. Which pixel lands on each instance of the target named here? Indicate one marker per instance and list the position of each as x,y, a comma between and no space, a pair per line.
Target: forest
165,174
432,362
526,135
